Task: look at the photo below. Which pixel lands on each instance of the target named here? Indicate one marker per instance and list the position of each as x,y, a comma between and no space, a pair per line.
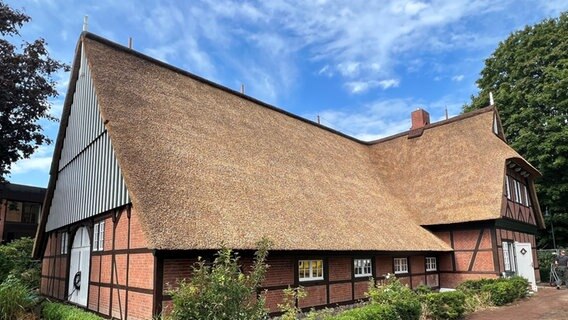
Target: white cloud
363,86
326,71
40,161
458,78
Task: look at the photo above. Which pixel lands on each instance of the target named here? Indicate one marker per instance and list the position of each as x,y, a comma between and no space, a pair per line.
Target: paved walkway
548,303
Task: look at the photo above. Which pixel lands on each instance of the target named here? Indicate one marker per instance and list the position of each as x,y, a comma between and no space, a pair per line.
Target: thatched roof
206,165
454,172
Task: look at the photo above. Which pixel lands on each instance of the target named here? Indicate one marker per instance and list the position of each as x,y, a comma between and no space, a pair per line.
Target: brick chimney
420,118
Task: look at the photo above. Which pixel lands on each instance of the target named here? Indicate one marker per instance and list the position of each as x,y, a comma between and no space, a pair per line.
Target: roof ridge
437,124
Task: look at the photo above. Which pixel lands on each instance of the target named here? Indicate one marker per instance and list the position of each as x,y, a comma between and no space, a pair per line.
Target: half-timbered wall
89,181
339,286
512,236
518,205
473,256
121,282
54,266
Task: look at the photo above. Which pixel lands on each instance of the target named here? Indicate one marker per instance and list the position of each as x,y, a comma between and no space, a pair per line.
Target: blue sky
362,66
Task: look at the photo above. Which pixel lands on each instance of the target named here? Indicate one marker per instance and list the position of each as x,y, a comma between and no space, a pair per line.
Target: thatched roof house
198,165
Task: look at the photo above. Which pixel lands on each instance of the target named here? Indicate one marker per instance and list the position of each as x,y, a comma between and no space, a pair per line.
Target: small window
99,236
309,270
64,242
508,256
362,267
527,199
507,188
400,265
431,264
518,197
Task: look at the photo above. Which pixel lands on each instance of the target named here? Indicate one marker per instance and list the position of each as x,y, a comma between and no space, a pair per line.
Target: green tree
26,85
528,75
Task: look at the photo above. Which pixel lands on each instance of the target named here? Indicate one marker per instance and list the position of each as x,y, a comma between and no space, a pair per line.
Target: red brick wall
340,292
340,268
383,265
107,271
112,270
451,280
53,268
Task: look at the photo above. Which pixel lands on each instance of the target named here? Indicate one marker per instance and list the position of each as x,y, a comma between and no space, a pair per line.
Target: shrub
400,297
545,260
221,290
500,292
16,260
506,290
59,311
369,312
475,285
477,301
423,289
15,299
289,309
445,305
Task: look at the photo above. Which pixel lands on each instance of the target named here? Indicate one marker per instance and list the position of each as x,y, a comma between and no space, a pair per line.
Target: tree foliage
26,85
528,75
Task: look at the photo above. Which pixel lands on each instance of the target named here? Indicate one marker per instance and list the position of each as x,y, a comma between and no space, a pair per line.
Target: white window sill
311,279
363,275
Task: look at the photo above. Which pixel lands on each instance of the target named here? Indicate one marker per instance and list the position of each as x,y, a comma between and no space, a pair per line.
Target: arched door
79,267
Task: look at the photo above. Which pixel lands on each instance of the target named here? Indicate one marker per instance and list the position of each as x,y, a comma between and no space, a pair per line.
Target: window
99,236
25,212
431,264
508,187
518,191
362,267
509,256
64,242
400,265
527,199
309,270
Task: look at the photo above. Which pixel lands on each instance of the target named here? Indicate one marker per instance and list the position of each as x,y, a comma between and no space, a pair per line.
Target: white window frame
527,199
99,236
508,256
508,187
64,242
431,264
518,197
362,268
400,265
312,272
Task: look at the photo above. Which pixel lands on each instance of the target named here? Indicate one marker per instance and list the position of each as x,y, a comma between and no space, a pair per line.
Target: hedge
59,311
369,312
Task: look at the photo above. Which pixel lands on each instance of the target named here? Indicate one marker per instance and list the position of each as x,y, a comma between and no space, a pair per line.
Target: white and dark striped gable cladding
89,180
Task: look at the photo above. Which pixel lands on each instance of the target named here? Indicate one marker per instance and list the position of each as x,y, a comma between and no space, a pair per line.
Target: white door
525,266
79,267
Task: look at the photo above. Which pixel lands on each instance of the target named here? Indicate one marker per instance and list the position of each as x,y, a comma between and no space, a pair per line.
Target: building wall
339,286
478,251
121,276
473,256
511,235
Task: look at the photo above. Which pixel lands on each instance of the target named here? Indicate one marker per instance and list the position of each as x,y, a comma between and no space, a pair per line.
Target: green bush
221,290
422,290
370,312
445,305
545,260
16,260
475,286
506,290
16,299
59,311
405,302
